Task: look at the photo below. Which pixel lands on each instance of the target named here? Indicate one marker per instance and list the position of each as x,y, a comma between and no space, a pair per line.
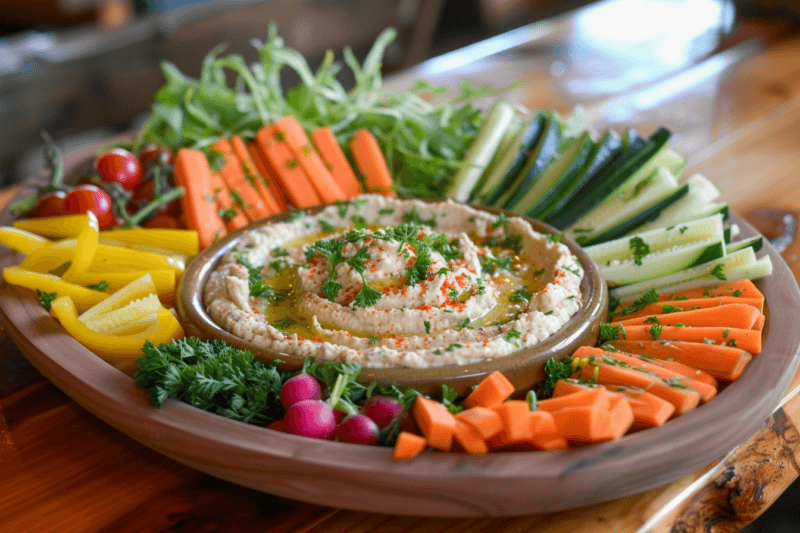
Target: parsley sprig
333,250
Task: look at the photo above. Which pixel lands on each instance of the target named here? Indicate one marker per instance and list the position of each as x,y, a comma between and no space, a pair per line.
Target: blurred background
86,70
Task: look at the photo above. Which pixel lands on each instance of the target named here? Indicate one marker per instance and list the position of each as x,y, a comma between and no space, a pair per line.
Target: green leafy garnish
512,335
718,272
655,330
609,332
521,295
501,221
284,323
45,298
103,285
427,327
449,397
554,237
554,372
639,248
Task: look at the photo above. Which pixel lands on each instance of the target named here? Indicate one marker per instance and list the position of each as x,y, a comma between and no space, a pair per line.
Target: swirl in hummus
396,283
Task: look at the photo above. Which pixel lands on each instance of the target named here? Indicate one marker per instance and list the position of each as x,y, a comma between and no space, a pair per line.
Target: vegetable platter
434,484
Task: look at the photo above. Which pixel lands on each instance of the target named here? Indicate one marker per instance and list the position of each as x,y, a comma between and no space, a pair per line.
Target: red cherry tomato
91,198
119,166
50,204
153,154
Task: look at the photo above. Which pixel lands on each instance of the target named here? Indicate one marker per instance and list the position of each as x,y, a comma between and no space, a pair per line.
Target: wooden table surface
736,115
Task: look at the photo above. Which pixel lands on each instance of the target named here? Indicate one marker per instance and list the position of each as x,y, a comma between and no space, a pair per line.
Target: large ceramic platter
432,484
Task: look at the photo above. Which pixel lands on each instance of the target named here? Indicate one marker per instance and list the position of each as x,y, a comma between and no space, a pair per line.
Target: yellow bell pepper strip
179,241
139,288
135,326
21,240
163,279
110,322
115,348
84,298
54,227
85,248
106,259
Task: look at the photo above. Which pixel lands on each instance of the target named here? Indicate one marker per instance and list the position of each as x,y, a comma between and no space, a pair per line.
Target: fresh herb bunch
424,142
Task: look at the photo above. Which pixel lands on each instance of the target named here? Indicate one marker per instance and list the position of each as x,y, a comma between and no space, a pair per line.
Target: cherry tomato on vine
119,166
146,193
50,204
164,221
91,198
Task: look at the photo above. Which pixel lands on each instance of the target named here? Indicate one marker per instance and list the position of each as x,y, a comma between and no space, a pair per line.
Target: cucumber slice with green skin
615,180
502,174
659,264
617,209
706,229
606,150
696,204
632,141
510,141
481,150
673,161
723,269
731,231
544,151
556,177
756,243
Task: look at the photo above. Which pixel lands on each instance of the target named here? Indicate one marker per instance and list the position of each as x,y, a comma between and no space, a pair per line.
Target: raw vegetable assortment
684,315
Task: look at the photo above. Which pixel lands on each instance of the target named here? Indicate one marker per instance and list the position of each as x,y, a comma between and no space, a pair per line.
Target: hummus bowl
548,303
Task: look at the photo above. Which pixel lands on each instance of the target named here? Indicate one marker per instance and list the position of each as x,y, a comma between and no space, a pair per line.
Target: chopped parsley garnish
655,330
683,229
550,312
726,333
358,221
326,226
454,346
103,285
554,371
501,221
373,340
278,265
463,324
284,323
718,272
295,215
652,320
453,293
667,309
512,335
639,248
611,333
427,327
45,298
680,298
279,252
492,264
386,211
442,271
650,297
227,214
554,237
509,242
332,251
676,383
521,295
414,217
449,396
737,293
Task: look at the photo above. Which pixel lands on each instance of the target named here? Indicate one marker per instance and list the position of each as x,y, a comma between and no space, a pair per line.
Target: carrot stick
742,289
747,339
435,422
621,415
336,161
759,325
291,176
253,175
485,421
228,211
706,390
193,173
582,423
371,163
408,445
730,316
319,175
549,442
670,306
722,362
469,439
493,390
243,193
684,400
267,176
541,423
592,397
516,423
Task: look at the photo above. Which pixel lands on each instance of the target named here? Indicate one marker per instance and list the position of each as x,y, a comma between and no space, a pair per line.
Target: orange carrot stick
747,339
337,163
229,212
193,173
582,423
469,439
722,362
491,391
253,176
267,176
485,421
244,194
670,306
435,422
291,176
591,396
319,175
371,163
516,422
729,316
741,289
408,445
549,442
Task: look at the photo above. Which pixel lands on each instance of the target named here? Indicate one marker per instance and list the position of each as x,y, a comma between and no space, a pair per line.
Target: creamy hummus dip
396,283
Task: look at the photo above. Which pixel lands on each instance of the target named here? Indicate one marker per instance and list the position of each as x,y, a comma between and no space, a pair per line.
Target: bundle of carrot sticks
281,169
